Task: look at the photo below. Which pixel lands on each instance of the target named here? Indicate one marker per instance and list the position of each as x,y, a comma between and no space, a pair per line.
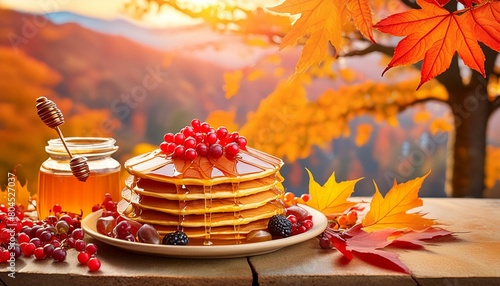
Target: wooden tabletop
471,257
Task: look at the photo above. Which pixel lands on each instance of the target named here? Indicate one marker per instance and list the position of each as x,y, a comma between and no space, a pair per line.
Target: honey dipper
53,118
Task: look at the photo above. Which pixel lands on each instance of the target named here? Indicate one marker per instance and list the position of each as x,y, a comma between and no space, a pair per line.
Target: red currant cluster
108,206
48,238
200,139
300,218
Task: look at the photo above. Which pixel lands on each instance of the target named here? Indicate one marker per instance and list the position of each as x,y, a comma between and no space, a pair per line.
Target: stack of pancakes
211,200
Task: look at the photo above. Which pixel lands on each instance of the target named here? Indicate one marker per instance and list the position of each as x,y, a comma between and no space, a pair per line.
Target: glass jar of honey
57,185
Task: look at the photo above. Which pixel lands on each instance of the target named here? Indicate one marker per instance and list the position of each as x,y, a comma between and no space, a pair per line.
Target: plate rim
208,251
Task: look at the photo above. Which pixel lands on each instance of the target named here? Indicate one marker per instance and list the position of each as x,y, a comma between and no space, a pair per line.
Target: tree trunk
467,144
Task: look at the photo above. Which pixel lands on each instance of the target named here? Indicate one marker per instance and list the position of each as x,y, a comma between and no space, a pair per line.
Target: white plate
211,251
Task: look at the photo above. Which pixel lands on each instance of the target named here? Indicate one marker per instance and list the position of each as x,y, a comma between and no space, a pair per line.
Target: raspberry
175,238
280,226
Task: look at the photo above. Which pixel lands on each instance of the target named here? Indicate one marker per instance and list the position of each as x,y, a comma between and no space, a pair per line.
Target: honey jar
57,185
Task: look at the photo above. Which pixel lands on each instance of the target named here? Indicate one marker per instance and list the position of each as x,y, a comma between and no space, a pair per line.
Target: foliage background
90,66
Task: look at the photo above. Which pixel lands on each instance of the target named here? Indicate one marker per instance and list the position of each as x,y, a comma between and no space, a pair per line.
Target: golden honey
57,185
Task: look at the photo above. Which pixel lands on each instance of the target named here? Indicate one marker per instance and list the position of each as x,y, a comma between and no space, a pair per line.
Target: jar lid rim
82,145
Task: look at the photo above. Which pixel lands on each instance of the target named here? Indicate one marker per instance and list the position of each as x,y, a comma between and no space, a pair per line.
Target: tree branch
370,49
411,4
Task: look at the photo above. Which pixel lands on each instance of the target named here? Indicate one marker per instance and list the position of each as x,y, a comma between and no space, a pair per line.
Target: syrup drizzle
208,172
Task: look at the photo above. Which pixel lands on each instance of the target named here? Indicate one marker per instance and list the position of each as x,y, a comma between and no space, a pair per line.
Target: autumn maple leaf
331,198
322,21
392,211
435,34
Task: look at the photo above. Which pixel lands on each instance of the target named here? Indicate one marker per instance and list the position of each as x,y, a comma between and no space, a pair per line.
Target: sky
104,9
112,9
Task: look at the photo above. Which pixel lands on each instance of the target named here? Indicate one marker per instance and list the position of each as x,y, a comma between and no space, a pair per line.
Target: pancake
210,199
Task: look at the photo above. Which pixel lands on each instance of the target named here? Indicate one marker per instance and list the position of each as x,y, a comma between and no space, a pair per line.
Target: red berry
57,208
169,137
215,151
77,234
107,197
28,248
232,149
91,248
79,245
96,207
202,149
205,127
308,224
195,123
59,254
23,237
199,137
292,219
234,137
39,253
211,138
242,142
109,206
190,154
179,151
170,147
48,249
190,142
179,138
83,257
222,132
188,131
94,264
163,147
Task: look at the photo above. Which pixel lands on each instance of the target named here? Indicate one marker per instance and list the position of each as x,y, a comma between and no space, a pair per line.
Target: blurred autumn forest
333,118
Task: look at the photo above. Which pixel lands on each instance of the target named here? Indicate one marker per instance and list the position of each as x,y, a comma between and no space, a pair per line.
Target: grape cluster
200,139
116,226
51,237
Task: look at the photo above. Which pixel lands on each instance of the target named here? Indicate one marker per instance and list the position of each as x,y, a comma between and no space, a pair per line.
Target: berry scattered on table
202,140
175,238
49,238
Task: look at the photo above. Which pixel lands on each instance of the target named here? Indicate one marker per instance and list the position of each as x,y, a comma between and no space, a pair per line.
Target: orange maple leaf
331,198
391,211
435,34
322,21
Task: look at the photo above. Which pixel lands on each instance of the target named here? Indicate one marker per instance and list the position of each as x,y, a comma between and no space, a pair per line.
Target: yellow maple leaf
331,198
21,193
392,211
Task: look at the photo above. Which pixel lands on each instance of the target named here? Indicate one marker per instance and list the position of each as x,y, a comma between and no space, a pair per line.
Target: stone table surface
470,257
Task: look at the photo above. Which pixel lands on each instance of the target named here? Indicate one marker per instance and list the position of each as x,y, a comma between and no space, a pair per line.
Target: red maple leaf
369,246
433,34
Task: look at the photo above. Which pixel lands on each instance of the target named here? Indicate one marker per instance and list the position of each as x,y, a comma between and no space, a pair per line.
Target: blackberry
280,226
175,238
